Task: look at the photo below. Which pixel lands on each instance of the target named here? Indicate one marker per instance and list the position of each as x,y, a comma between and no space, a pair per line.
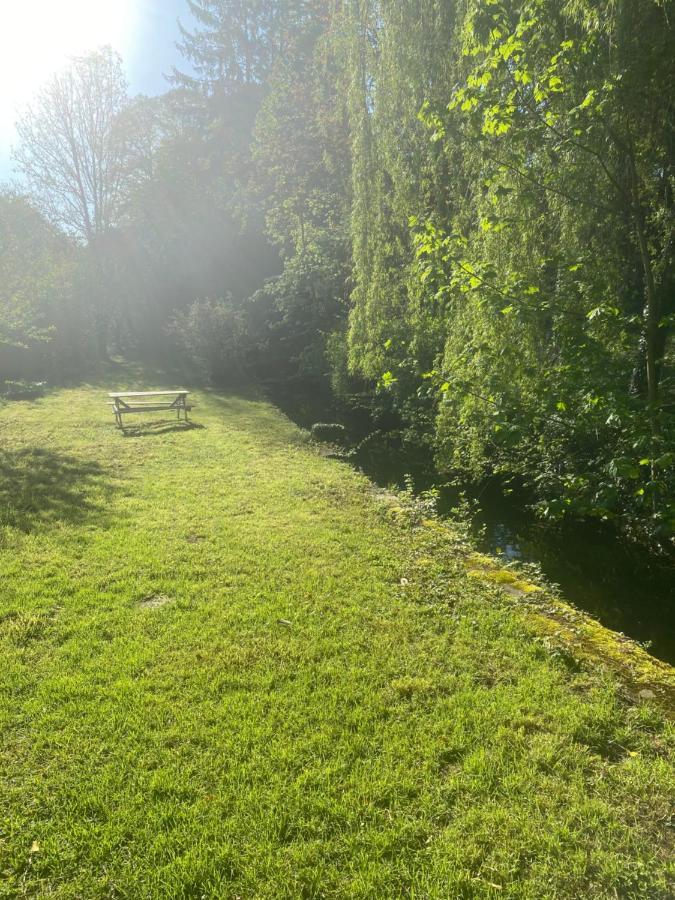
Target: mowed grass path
284,718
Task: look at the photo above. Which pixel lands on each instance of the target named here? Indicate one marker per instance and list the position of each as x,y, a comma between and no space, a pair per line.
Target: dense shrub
214,337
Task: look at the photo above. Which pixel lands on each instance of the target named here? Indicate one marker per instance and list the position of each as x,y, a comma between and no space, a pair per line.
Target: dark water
620,584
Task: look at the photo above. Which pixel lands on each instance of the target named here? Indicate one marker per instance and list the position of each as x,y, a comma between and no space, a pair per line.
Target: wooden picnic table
124,402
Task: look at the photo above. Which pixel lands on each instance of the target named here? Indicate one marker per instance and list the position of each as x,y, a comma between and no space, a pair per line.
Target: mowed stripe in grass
215,685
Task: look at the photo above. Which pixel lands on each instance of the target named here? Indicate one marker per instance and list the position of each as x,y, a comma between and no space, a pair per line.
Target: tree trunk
650,313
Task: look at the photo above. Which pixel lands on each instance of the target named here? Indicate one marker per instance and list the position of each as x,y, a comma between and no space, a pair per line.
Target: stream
619,583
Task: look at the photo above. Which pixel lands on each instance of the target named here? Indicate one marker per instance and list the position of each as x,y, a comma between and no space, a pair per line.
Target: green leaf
588,99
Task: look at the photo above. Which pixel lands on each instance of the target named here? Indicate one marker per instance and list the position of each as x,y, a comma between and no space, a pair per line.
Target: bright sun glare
37,38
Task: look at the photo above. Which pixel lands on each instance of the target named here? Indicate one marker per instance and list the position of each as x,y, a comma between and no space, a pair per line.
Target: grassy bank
230,669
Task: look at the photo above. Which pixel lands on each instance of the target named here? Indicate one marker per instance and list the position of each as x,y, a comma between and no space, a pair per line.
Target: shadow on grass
148,429
38,486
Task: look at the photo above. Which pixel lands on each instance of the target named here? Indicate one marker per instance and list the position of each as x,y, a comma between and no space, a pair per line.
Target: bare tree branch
71,152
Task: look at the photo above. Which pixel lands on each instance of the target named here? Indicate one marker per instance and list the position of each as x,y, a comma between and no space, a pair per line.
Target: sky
38,37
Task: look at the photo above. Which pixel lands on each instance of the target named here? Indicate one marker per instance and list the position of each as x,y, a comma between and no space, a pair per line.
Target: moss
549,616
488,569
579,632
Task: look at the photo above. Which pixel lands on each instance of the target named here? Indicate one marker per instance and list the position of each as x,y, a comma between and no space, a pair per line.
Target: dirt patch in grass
154,601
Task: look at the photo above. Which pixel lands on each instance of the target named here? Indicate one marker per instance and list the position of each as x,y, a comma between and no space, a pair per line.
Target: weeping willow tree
399,56
512,222
559,271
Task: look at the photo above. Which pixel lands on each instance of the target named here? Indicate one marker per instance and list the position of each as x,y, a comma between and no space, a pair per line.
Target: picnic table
124,402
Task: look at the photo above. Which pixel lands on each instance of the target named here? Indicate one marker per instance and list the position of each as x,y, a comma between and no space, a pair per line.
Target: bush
213,336
22,390
329,432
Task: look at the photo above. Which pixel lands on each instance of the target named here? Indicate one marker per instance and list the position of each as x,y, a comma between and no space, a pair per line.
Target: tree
398,55
301,179
181,237
557,271
76,153
237,42
72,152
40,316
513,241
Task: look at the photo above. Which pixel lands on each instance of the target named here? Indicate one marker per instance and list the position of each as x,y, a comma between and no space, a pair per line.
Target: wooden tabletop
148,394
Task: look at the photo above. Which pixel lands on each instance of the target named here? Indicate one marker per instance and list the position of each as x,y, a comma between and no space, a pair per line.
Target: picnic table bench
124,402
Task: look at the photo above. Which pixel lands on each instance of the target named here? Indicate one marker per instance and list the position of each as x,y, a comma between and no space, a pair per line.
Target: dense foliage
40,304
523,316
460,211
556,272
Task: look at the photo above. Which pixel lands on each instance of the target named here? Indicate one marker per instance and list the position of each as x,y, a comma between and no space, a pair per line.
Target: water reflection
624,587
503,543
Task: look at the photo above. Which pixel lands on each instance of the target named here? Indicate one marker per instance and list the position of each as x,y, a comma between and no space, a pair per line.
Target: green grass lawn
216,684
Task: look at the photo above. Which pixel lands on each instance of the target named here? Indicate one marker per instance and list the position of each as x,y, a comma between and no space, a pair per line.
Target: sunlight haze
37,40
31,52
